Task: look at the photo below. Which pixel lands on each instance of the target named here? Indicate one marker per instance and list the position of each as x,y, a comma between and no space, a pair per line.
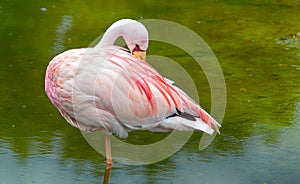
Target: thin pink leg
108,159
108,152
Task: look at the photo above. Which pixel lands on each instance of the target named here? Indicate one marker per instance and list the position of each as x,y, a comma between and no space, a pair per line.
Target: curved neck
109,37
132,31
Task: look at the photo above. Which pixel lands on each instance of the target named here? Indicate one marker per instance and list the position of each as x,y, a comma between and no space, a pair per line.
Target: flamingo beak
140,55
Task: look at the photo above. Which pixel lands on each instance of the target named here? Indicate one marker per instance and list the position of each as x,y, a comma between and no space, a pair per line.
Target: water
260,134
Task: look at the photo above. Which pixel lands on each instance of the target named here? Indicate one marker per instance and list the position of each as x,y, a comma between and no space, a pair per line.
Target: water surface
261,130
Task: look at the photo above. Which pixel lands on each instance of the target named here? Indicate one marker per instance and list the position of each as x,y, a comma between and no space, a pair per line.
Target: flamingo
115,90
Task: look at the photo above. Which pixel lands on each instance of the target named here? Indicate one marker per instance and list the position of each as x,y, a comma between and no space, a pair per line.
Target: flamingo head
136,38
139,53
134,33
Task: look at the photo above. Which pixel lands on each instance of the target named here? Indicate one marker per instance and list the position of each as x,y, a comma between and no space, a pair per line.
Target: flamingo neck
109,38
132,31
117,29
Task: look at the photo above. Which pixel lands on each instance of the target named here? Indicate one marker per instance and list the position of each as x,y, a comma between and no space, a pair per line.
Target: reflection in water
61,30
44,167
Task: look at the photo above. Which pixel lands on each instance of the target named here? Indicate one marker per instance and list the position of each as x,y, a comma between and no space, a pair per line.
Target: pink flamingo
107,88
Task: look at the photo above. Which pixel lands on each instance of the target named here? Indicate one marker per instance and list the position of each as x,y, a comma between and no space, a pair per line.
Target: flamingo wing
107,88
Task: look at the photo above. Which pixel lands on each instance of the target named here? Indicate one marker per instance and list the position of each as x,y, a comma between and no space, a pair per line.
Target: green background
259,141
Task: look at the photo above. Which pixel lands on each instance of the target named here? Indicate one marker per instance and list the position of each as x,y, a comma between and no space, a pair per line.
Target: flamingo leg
106,176
108,152
108,159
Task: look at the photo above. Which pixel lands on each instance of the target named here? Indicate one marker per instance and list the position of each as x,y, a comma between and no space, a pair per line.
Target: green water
259,141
